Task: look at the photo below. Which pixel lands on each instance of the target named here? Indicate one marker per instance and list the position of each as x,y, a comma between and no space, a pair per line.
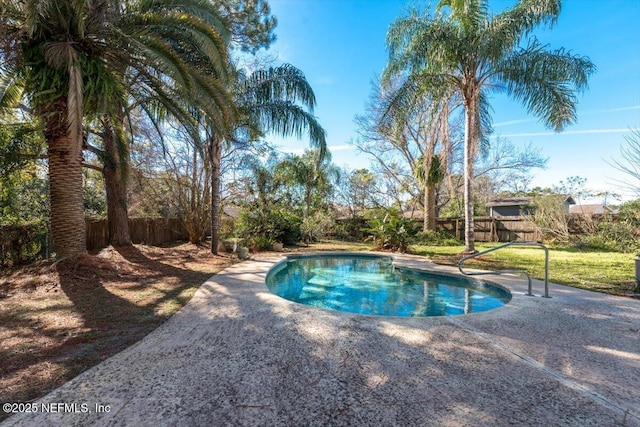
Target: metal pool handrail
486,251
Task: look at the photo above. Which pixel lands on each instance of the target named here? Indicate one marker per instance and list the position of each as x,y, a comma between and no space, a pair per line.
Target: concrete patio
239,355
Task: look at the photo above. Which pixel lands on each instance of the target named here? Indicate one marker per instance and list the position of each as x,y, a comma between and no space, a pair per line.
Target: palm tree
309,174
69,57
473,53
270,101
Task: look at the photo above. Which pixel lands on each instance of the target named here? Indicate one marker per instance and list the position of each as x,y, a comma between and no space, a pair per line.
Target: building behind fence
493,229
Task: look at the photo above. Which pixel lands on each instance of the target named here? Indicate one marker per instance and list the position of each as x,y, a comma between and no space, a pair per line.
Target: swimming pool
371,284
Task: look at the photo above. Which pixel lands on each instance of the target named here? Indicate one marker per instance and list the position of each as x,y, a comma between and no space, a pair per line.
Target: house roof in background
521,201
510,201
596,208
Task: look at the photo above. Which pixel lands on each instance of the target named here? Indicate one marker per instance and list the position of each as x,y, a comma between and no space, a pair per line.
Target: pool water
372,285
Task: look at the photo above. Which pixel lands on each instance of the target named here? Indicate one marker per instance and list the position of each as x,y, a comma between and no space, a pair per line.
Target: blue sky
340,46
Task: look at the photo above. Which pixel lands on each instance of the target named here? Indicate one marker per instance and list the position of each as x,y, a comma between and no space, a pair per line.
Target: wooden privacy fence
150,231
490,229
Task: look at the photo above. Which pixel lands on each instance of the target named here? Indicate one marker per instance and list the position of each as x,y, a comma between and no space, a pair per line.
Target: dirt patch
58,319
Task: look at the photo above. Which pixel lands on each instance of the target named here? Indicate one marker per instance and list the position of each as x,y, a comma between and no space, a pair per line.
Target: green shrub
269,222
630,212
436,238
350,229
22,243
316,227
389,230
612,236
262,243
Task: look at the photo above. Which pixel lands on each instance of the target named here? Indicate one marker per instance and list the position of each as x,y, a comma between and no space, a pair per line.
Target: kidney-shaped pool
370,284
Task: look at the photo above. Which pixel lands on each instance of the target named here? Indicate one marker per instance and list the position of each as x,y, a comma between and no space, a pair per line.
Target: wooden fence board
490,229
148,231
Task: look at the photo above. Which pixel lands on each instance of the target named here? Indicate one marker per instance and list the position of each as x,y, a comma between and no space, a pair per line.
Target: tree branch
92,166
94,150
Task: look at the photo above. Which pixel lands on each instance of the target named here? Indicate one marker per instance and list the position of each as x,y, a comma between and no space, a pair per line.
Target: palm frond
546,82
188,36
75,106
285,82
505,31
486,123
469,15
286,119
11,90
202,9
419,43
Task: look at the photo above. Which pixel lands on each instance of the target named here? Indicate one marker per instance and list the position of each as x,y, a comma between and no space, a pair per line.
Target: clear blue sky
340,46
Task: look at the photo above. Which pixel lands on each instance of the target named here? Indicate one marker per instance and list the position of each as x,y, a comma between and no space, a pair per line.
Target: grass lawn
610,272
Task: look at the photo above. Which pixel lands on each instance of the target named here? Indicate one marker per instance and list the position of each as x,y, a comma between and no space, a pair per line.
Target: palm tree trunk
116,190
68,227
470,134
215,153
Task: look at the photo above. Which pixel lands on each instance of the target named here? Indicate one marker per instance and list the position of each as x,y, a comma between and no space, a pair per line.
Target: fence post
494,232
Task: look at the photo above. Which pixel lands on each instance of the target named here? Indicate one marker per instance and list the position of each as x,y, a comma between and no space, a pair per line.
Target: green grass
610,272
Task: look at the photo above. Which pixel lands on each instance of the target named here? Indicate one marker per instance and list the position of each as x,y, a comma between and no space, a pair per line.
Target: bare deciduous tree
630,162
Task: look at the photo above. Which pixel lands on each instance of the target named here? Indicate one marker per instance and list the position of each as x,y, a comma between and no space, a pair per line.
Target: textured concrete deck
238,355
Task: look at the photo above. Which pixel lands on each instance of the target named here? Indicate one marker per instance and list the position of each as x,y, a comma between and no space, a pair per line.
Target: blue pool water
371,285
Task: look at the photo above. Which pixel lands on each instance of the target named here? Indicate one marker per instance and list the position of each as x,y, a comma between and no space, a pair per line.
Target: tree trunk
307,198
215,153
430,209
470,135
425,209
116,189
68,227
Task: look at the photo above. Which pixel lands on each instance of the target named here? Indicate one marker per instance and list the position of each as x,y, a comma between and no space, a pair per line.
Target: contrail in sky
528,120
569,132
513,122
613,110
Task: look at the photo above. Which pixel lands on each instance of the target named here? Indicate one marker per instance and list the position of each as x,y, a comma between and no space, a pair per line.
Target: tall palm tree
272,100
69,55
473,54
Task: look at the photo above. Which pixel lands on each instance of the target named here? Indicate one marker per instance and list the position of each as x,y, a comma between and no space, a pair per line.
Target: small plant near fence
262,226
316,227
436,238
389,230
